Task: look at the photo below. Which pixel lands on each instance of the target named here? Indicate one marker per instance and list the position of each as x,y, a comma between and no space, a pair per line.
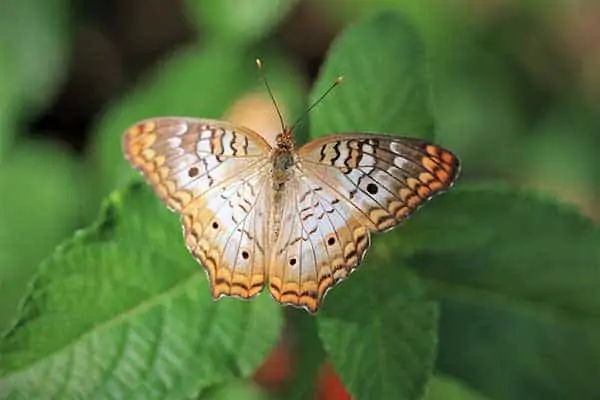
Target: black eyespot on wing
193,172
372,188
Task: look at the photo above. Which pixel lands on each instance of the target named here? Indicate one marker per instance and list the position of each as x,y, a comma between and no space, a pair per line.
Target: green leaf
40,203
239,22
123,311
444,388
384,89
519,278
380,334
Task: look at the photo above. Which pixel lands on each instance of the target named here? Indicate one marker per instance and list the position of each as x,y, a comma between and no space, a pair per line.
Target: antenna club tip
339,80
259,63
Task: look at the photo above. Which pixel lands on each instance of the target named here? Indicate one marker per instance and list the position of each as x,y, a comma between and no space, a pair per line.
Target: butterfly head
285,140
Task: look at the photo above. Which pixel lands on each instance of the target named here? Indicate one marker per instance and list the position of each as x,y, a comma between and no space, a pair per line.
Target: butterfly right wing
347,186
384,178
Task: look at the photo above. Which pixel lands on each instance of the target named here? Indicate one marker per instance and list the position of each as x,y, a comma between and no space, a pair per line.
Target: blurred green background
515,85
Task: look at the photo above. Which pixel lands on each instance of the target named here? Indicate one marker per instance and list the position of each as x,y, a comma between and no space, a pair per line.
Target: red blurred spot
330,387
276,369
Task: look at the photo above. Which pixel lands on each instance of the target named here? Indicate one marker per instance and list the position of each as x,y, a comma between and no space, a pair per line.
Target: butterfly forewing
184,157
383,178
214,174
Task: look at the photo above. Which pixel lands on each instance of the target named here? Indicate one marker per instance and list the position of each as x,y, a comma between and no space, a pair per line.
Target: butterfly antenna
259,64
337,81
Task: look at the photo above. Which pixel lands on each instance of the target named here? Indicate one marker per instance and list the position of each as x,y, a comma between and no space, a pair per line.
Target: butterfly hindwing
320,243
384,178
226,231
182,158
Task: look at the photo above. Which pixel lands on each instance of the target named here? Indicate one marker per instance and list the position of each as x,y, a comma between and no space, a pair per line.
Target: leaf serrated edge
104,222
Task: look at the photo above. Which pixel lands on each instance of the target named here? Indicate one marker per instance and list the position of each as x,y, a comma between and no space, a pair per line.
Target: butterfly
298,220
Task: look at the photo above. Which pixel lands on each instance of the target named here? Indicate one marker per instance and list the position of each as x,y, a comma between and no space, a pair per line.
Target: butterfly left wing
183,158
214,174
225,229
385,178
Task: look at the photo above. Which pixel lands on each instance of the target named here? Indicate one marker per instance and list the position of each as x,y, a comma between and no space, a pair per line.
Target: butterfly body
299,219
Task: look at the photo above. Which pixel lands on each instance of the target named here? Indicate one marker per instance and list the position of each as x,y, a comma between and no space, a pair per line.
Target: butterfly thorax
282,159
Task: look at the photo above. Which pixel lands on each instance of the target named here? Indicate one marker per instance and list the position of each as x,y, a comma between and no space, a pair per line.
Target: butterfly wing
182,158
226,230
214,174
345,187
384,178
320,242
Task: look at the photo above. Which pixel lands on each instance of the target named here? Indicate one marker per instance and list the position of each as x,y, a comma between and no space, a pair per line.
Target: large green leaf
385,89
123,311
40,205
519,278
380,334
